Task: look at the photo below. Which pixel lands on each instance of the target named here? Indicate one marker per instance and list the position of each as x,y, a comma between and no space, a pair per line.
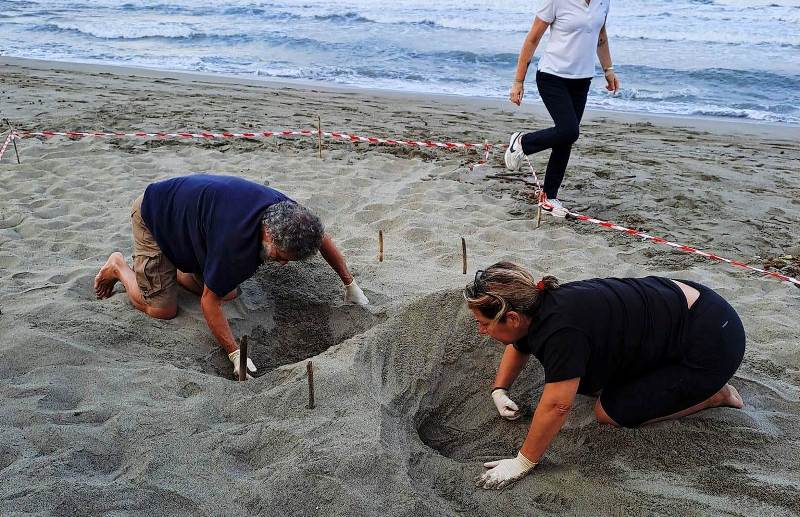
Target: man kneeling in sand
209,234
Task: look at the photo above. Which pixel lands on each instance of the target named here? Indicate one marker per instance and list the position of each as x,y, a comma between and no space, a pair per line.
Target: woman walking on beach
565,70
649,348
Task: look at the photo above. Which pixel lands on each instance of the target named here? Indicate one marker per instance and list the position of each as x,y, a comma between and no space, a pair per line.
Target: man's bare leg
190,282
726,397
116,269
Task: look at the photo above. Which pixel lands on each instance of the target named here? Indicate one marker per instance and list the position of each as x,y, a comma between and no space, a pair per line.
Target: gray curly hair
294,228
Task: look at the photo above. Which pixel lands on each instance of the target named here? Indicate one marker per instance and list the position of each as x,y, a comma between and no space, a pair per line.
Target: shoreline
719,125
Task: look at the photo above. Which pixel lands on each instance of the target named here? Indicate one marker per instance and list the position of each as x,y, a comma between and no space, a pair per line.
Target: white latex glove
354,294
234,357
502,473
507,408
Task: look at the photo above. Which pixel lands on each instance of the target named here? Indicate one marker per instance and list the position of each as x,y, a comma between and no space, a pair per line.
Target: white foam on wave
128,29
708,36
645,94
619,103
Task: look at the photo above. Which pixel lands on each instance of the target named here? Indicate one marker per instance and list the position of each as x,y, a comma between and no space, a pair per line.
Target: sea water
722,58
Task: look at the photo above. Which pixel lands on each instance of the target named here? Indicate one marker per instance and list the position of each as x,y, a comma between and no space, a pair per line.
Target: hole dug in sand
294,312
457,417
436,371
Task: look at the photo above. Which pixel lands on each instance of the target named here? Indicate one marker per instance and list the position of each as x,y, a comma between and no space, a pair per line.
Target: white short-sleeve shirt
574,29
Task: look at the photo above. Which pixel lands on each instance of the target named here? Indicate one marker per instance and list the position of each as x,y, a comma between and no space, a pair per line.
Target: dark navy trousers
565,100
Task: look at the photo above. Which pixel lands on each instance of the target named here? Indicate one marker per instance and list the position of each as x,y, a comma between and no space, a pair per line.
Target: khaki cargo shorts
156,275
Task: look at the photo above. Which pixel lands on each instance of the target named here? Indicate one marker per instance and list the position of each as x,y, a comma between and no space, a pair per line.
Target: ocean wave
205,10
348,17
715,37
636,94
160,30
391,56
733,113
503,59
235,11
159,8
754,112
758,4
757,80
358,75
478,24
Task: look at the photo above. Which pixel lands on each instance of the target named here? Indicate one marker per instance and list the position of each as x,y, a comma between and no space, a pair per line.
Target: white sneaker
514,154
555,208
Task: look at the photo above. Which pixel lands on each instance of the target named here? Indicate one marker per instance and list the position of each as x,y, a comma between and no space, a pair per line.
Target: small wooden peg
319,137
464,255
539,201
310,373
243,359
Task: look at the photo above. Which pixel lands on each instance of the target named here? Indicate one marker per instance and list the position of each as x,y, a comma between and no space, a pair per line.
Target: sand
107,412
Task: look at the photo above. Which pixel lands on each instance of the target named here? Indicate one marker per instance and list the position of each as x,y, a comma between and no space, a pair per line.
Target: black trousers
714,349
565,100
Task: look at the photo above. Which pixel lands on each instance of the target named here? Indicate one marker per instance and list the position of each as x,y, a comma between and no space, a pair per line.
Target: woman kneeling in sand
651,348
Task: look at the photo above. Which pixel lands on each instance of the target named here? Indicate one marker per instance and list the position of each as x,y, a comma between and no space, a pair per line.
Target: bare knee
601,415
190,282
162,313
231,295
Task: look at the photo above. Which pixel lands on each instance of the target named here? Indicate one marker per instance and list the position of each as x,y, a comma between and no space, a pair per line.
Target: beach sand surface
108,412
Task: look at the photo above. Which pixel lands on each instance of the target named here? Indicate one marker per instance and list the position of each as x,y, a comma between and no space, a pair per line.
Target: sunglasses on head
479,288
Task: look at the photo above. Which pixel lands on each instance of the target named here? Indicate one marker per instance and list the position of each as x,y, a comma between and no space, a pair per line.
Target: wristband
607,69
495,388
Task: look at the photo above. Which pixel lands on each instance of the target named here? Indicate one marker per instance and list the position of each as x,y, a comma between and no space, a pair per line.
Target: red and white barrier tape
657,240
11,136
165,136
410,143
335,135
349,137
680,247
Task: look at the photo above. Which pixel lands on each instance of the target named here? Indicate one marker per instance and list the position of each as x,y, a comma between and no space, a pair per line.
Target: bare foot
108,276
728,397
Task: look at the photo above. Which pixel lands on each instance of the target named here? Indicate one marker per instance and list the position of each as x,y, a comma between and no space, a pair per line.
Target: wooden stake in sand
464,255
380,245
319,136
539,210
13,140
310,372
243,359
